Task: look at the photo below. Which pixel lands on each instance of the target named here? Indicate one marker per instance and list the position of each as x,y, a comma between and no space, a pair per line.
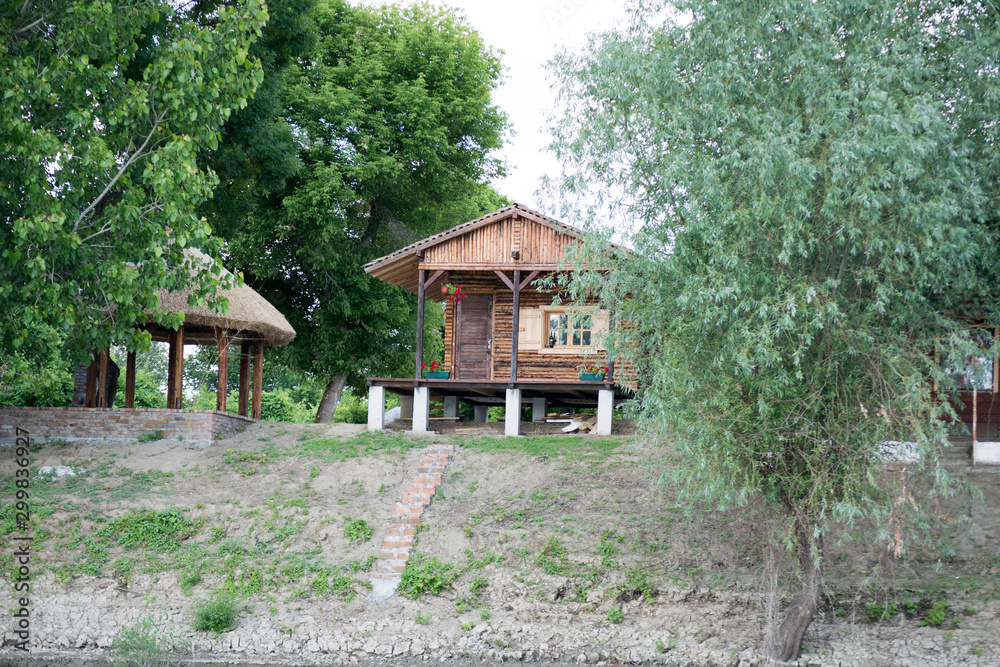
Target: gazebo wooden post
258,377
102,379
244,377
130,380
223,390
90,400
175,370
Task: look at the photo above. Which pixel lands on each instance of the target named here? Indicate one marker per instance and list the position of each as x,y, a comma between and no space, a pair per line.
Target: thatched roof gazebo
250,321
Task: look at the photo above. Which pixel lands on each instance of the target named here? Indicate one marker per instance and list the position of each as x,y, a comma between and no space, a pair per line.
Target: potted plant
591,371
433,371
455,292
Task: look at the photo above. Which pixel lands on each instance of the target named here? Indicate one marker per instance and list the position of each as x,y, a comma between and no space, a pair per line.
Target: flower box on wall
591,377
437,375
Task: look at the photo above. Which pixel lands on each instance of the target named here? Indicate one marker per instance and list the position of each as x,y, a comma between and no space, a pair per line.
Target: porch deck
541,395
575,393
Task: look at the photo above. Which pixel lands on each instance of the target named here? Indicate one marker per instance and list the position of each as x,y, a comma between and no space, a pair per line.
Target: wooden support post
611,362
102,379
258,377
421,276
223,389
244,378
515,323
175,370
130,380
91,398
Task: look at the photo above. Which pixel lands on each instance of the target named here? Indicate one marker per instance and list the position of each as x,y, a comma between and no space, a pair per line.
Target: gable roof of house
400,267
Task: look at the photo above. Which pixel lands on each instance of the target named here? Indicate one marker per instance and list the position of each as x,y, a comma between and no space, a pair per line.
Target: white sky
529,32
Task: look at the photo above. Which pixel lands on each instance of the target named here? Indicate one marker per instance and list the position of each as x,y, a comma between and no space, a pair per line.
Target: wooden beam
244,378
223,388
130,380
515,323
421,285
258,377
102,379
437,274
90,400
526,281
175,370
505,279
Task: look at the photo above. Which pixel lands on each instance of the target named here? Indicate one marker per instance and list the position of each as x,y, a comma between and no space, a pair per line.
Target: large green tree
815,186
104,107
395,129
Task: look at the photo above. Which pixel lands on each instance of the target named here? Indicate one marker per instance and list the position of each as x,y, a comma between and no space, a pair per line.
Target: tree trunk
784,642
331,396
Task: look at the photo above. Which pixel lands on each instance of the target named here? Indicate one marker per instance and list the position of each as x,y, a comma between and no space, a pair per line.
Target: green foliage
615,614
160,532
146,645
875,613
357,530
216,615
425,574
936,615
815,209
152,436
40,377
422,619
395,131
105,135
552,557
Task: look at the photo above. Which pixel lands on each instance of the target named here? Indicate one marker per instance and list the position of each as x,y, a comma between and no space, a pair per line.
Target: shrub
143,644
357,530
425,574
216,615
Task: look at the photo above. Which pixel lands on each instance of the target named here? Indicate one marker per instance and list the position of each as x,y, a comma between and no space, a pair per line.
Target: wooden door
473,334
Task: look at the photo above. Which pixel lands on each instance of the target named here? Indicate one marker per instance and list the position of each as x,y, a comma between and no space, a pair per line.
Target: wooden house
978,406
505,341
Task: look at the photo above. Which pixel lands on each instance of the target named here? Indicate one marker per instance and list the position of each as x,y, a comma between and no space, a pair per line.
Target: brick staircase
398,543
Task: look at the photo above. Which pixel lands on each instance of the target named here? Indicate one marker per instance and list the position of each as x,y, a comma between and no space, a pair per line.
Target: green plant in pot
433,371
592,371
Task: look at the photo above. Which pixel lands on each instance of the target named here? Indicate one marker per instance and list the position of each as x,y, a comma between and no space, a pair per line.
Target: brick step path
398,542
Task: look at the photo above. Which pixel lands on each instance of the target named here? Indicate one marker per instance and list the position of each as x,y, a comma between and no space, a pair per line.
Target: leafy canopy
99,183
395,128
815,185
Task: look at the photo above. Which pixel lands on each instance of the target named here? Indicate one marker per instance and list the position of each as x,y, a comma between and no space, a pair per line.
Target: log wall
531,364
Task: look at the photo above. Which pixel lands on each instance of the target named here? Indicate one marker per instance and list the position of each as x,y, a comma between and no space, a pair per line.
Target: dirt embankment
546,548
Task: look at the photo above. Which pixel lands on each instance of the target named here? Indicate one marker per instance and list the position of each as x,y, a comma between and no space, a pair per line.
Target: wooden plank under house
505,342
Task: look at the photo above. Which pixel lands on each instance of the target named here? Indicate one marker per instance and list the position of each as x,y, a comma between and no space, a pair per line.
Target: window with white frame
565,329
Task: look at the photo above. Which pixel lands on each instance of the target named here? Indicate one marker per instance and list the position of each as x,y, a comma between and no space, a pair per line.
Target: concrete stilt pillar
482,413
406,407
451,407
539,409
421,409
376,408
512,420
605,405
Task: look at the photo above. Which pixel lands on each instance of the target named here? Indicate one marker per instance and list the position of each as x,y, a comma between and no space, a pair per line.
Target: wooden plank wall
531,365
493,244
987,413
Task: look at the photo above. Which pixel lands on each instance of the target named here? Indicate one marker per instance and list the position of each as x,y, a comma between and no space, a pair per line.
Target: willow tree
814,184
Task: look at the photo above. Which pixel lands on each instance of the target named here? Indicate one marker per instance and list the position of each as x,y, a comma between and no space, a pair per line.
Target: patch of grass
357,530
152,436
637,585
936,615
552,558
422,619
160,532
545,445
425,574
331,450
144,644
616,615
217,615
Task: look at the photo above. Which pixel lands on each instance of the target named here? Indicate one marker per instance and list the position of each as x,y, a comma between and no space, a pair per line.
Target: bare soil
558,545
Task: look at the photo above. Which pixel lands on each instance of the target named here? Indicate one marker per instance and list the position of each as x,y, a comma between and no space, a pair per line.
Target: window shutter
601,328
529,335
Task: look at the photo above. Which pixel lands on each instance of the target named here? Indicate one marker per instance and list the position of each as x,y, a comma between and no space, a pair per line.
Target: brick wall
197,428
